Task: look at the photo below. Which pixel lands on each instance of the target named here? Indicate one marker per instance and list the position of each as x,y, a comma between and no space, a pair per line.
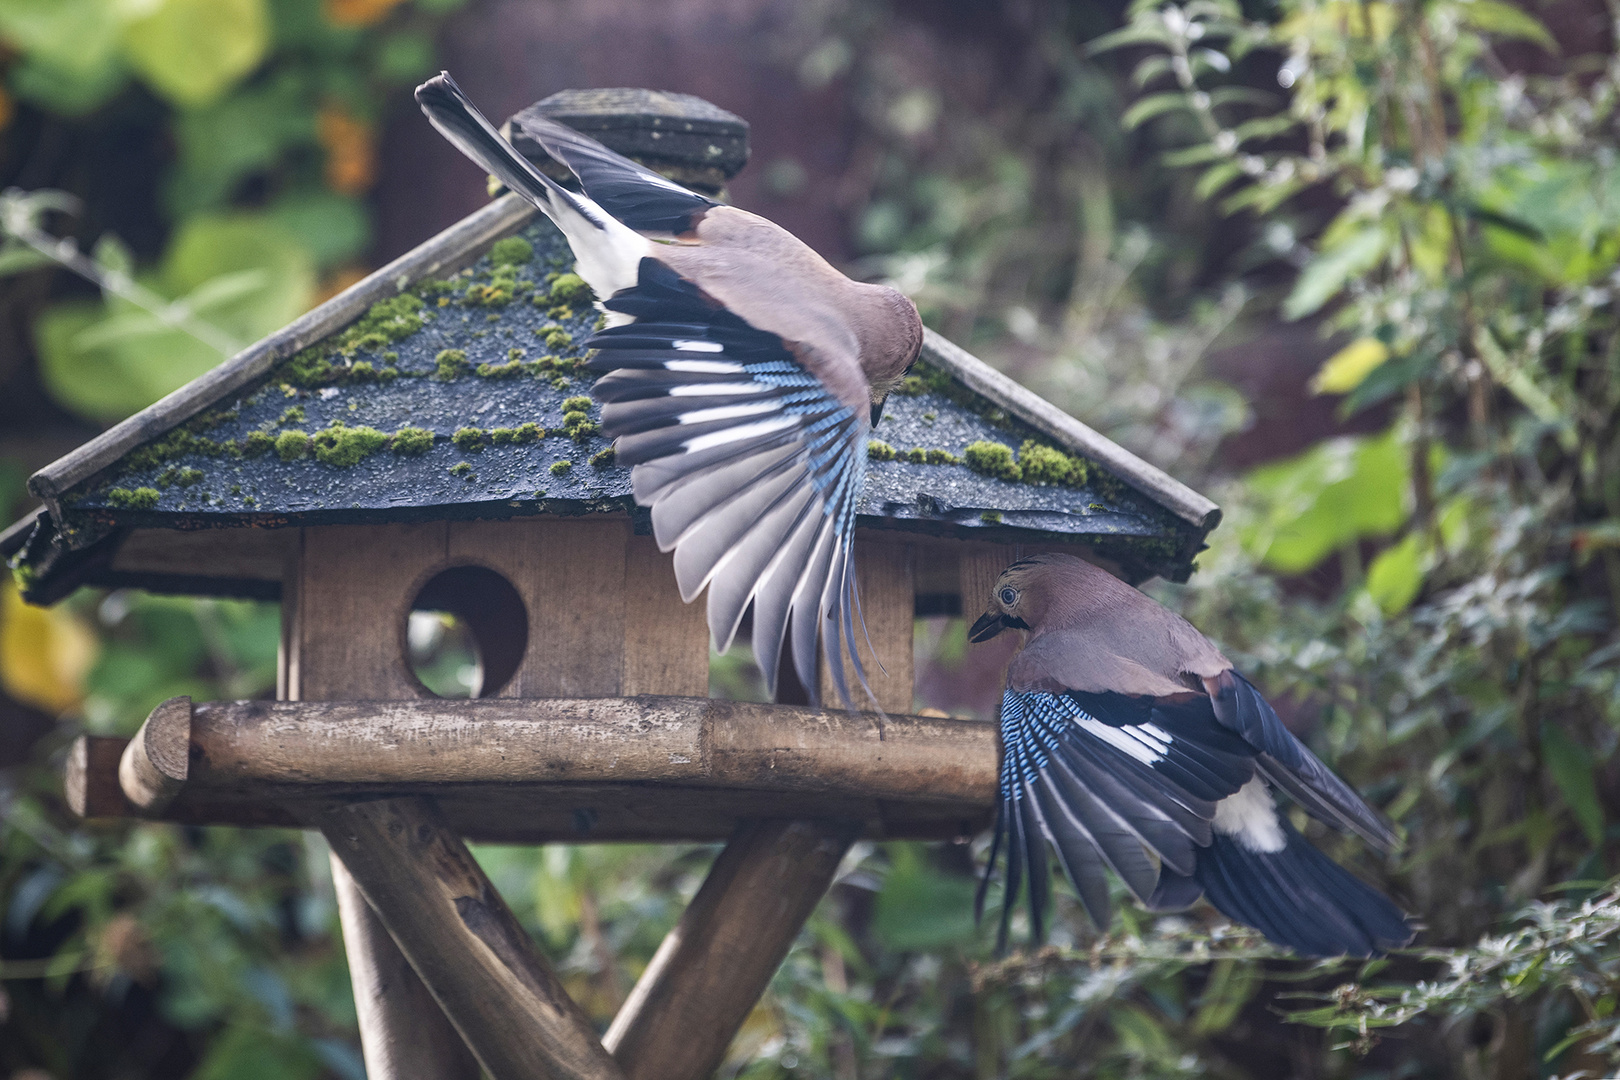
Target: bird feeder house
425,441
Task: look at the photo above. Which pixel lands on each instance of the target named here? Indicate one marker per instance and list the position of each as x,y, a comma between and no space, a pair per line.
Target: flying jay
741,375
1129,742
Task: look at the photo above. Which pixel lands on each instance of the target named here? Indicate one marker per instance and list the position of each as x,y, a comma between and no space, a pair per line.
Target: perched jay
1129,742
742,375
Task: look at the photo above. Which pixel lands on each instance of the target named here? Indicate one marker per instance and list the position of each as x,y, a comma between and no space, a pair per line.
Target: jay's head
1042,591
891,345
1016,603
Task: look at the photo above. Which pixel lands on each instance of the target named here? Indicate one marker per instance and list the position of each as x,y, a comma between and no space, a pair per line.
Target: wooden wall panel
666,642
883,573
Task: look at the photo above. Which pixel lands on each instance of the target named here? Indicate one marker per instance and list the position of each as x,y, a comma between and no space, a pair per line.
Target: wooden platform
532,771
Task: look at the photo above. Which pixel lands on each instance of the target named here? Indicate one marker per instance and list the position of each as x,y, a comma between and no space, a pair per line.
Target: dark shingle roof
417,410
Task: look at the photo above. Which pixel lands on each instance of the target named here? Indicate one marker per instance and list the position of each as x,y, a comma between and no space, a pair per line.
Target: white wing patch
1250,818
698,346
1146,743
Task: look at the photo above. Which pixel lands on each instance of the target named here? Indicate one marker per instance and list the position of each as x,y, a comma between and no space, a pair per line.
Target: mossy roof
460,394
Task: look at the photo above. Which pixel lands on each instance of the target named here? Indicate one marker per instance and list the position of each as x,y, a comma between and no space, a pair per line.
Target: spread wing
750,464
1126,783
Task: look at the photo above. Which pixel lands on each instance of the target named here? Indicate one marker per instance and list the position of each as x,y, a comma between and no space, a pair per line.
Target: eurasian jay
742,374
1130,742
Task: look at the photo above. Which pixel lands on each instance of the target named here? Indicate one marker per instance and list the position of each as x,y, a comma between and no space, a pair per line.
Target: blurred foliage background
1348,265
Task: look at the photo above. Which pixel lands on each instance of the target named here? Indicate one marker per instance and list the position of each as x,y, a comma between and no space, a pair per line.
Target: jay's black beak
877,410
989,625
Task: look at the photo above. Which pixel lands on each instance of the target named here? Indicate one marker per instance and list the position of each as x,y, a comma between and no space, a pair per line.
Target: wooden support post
464,942
710,971
391,1001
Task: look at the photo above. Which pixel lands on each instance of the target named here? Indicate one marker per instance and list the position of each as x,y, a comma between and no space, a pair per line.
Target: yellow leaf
1345,369
45,653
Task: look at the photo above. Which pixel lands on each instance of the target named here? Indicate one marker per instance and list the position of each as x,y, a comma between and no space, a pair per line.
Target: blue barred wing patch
750,465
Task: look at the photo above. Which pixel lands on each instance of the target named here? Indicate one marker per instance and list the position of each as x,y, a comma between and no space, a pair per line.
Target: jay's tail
1295,895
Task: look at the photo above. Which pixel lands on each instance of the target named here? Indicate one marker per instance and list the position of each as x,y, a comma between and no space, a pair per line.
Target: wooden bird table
395,786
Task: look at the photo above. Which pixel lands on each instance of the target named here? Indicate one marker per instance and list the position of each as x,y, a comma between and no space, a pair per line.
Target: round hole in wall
466,633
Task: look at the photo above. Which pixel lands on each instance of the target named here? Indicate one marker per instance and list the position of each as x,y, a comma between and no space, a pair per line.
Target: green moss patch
292,445
602,458
557,338
463,470
469,440
142,498
450,363
878,450
512,251
1045,465
992,459
571,289
560,468
411,441
345,446
523,433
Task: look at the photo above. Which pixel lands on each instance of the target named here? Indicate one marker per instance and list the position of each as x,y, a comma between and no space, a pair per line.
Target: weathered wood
464,942
90,777
980,565
713,966
257,554
576,608
579,813
373,746
332,647
666,642
1024,403
154,765
884,576
403,1033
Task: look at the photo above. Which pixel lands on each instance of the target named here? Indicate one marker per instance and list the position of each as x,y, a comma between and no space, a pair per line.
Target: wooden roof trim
1041,414
444,250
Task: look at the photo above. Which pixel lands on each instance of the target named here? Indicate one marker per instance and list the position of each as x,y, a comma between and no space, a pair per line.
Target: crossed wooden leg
503,997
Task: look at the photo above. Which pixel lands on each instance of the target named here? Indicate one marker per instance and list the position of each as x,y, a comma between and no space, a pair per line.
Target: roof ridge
1041,414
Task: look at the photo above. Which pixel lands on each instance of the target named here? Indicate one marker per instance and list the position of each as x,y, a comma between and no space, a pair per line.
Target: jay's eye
1009,596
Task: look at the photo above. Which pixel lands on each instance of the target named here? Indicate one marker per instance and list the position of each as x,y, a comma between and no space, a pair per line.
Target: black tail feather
1299,897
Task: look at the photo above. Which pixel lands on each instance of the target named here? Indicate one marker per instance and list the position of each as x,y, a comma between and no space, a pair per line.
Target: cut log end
157,760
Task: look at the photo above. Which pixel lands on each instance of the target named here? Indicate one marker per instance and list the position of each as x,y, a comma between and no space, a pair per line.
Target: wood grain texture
333,646
883,573
577,607
666,642
243,746
979,566
90,778
154,766
391,1001
713,966
464,942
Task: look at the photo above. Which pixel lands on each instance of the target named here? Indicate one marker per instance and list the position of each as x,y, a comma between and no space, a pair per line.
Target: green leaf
1231,984
17,258
1396,575
192,51
335,228
1346,369
240,272
1573,769
919,908
1153,105
251,1053
223,143
1506,21
1336,492
1216,177
74,37
1333,268
1148,30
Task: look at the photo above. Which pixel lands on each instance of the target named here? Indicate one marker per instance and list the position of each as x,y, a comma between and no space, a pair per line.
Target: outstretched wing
1110,781
1289,763
750,464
